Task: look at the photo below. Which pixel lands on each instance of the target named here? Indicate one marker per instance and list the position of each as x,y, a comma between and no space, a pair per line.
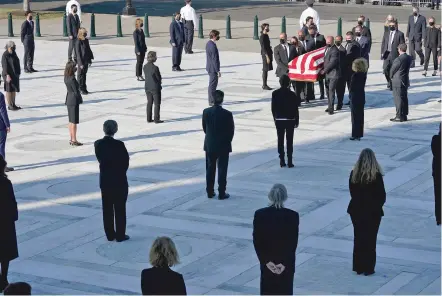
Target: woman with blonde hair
160,279
357,95
368,196
84,59
140,48
390,18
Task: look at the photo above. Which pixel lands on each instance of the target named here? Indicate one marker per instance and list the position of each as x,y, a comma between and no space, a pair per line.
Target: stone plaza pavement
62,245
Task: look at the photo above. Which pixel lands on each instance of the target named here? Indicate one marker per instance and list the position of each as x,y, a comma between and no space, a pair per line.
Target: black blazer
73,97
73,24
152,77
266,48
11,67
367,33
176,30
219,128
436,149
343,60
114,162
432,38
397,39
367,200
162,281
84,52
285,105
312,45
275,236
357,88
400,71
331,63
8,204
365,47
27,32
212,57
415,31
139,41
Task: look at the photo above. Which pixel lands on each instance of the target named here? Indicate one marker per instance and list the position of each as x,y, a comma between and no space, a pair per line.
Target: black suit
286,116
357,91
365,209
114,162
27,38
275,237
153,87
432,46
73,24
162,281
389,55
314,43
140,50
84,59
219,128
176,30
415,32
353,49
332,73
400,82
436,168
300,87
340,88
367,33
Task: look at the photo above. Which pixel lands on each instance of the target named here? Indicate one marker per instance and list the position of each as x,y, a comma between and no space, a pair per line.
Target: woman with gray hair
275,237
11,74
153,87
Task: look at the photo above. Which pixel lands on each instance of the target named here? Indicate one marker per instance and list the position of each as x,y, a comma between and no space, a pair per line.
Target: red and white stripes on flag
306,67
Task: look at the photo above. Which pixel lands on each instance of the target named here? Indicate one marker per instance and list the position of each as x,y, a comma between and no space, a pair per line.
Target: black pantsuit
8,216
81,73
140,50
357,119
340,90
212,160
139,66
177,53
285,129
114,208
84,59
400,95
213,84
428,52
357,91
153,97
189,28
27,38
28,59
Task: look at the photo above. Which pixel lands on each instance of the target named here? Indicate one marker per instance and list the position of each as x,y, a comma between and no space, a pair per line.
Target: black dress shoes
266,87
33,70
326,110
27,71
211,195
159,121
355,138
338,108
367,273
290,164
322,98
347,104
3,285
223,196
9,169
282,163
140,78
149,120
397,119
126,237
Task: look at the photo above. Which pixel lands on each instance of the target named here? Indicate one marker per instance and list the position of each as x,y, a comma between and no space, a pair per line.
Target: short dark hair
69,69
213,33
263,26
19,288
338,36
110,127
188,1
308,18
402,47
176,13
28,12
73,5
151,56
218,97
349,33
284,81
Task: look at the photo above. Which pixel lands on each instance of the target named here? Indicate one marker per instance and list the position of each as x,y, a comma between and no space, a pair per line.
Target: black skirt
8,241
74,114
12,86
265,66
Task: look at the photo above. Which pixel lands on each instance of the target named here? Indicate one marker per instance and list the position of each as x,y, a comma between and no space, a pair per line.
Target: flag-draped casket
306,67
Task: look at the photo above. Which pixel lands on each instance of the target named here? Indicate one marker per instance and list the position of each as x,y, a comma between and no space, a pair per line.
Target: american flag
306,67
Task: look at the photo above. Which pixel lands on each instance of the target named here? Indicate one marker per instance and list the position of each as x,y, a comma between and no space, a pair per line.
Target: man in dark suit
391,40
152,87
400,81
331,71
114,162
340,88
275,237
219,128
364,43
177,41
436,169
212,64
281,54
432,45
353,50
27,38
73,24
5,128
315,41
416,28
365,31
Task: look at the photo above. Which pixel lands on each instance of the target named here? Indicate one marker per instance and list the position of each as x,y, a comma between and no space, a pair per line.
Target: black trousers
81,73
435,3
321,87
330,86
189,28
400,95
310,91
139,66
364,248
340,90
274,284
285,128
177,53
416,47
386,68
114,208
213,83
300,89
432,51
28,59
357,120
153,97
212,159
71,49
437,197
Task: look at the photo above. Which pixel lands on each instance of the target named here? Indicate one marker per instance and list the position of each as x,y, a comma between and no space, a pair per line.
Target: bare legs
73,134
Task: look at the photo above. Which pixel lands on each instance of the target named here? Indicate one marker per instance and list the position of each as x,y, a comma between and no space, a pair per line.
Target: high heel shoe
75,143
424,74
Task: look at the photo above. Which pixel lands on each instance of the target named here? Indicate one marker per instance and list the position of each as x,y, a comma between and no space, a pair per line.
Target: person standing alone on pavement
432,45
5,128
212,64
27,38
73,24
176,31
400,81
190,20
140,48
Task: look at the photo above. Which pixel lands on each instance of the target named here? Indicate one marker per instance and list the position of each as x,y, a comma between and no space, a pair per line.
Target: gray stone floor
61,241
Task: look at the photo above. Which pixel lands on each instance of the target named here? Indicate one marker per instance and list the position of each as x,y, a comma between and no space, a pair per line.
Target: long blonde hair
163,252
366,168
81,32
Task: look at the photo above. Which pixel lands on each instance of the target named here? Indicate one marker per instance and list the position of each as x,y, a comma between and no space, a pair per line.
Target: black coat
285,105
73,24
73,96
27,33
400,71
8,216
84,52
365,32
219,128
139,41
266,48
275,236
357,88
367,200
432,38
114,163
415,31
436,149
11,67
152,77
353,52
397,39
312,45
162,281
332,62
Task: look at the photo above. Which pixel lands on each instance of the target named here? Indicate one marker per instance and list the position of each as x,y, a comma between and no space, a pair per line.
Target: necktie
390,41
285,50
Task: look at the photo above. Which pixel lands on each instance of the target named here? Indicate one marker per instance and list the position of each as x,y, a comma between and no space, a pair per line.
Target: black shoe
266,87
282,163
33,70
338,108
290,164
9,169
190,52
331,113
434,73
159,121
140,78
13,108
126,237
110,239
3,285
359,272
347,104
223,196
438,223
179,69
355,138
149,120
396,120
84,92
27,71
211,195
321,97
326,110
369,273
174,69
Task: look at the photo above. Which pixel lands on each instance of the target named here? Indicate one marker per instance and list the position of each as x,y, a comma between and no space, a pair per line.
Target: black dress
11,67
266,49
73,99
365,209
8,216
357,94
436,149
162,281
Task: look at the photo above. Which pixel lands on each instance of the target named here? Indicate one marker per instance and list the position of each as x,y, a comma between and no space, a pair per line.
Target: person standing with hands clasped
331,71
357,91
11,74
266,54
177,39
400,81
153,87
212,64
27,38
275,237
73,101
73,24
84,58
140,48
368,196
5,128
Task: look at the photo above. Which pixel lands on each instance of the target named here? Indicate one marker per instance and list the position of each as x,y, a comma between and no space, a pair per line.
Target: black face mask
358,34
30,18
328,45
392,28
74,10
338,43
313,35
301,38
415,13
267,30
431,23
360,23
217,38
348,41
85,34
141,25
282,41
